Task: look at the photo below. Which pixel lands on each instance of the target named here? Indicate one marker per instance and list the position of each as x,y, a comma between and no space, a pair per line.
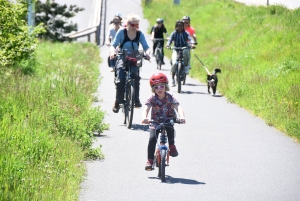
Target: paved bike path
225,153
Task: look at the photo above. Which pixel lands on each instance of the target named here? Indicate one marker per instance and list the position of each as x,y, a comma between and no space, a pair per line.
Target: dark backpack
126,39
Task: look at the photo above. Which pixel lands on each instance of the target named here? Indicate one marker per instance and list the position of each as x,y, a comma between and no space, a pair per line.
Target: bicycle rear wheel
179,77
163,155
130,97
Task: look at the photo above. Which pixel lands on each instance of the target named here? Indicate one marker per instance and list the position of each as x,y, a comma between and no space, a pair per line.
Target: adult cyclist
158,31
187,27
128,38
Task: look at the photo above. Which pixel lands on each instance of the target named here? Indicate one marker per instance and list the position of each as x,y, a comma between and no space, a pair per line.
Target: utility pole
31,14
176,2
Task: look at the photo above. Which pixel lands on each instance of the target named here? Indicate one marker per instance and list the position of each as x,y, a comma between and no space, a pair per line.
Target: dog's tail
217,70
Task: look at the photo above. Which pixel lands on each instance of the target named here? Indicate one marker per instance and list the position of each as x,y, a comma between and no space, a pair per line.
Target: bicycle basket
133,57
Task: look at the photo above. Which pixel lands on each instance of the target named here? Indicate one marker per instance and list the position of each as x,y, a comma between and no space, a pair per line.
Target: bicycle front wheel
130,97
179,77
163,155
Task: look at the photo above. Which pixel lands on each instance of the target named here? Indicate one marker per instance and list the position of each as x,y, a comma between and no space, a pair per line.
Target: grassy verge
47,123
257,49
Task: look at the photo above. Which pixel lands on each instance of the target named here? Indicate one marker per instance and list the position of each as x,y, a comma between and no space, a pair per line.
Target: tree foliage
16,41
55,17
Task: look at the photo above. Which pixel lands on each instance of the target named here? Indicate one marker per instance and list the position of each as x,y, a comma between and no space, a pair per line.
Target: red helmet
158,78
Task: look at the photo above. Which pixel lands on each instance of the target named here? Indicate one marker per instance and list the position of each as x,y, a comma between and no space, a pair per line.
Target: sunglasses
134,25
116,22
159,87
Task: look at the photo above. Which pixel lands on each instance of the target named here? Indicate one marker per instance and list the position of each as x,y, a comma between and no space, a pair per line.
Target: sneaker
112,70
173,83
116,107
173,151
149,164
138,104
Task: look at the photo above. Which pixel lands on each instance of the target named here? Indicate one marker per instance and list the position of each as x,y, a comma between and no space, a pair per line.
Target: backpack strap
126,39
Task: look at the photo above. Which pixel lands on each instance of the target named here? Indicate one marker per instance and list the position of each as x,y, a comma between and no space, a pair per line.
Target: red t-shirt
191,30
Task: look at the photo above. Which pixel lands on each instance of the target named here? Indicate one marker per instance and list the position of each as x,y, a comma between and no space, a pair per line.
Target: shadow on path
191,92
171,180
140,127
187,84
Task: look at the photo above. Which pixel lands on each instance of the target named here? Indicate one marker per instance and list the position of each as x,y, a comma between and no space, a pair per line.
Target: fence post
98,35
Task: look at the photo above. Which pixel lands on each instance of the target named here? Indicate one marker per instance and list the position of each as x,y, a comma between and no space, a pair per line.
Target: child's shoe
173,151
149,164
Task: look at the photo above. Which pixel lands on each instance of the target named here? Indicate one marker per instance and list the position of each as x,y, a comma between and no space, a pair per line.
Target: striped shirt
180,39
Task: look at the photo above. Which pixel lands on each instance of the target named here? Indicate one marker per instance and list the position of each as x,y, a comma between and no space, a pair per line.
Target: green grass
47,122
257,49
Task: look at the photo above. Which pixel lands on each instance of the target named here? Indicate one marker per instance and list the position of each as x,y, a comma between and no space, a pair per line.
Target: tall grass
257,49
47,123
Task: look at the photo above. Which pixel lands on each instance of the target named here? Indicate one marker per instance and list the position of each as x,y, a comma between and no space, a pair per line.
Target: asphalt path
225,153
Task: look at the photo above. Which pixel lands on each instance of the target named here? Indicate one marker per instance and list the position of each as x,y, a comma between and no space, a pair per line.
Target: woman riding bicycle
163,107
128,38
157,32
181,38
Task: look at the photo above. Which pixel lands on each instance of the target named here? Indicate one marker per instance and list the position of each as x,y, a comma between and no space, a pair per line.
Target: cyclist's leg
162,51
186,56
152,142
151,147
120,81
112,63
136,77
174,66
154,46
170,132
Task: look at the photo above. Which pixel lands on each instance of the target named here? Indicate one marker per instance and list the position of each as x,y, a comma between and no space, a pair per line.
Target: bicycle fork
162,146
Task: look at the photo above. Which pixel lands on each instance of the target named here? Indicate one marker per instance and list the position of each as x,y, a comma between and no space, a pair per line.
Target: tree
55,18
16,42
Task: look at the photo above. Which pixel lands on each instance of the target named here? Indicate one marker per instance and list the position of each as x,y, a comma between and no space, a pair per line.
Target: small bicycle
162,153
158,53
131,58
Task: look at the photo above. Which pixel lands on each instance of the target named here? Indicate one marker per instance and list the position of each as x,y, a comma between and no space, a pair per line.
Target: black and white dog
212,80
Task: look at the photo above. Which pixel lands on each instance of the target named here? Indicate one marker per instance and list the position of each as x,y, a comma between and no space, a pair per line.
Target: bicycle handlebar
179,48
168,121
159,39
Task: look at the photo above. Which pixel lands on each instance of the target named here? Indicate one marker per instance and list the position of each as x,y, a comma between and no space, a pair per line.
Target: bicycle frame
129,92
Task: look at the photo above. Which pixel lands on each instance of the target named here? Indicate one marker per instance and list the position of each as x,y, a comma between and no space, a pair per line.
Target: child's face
179,27
160,89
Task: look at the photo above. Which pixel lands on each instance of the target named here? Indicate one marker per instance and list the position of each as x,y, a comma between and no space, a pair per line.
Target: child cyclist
163,105
181,38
